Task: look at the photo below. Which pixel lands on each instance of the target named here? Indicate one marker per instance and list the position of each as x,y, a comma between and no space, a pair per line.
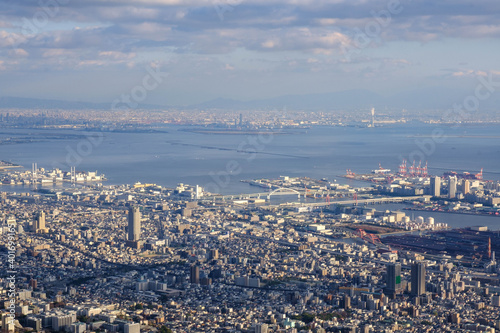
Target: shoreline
492,214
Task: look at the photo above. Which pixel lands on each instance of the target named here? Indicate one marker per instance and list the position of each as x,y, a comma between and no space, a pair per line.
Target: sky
96,50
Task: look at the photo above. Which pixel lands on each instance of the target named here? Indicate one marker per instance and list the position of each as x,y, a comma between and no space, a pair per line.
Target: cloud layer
342,37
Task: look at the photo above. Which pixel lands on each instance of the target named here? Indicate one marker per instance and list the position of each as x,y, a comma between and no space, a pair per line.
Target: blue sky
95,50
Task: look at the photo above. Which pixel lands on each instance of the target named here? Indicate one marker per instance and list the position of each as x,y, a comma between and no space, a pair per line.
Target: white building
132,328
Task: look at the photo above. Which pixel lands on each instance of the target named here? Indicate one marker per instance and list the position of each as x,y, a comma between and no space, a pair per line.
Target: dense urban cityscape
230,166
143,257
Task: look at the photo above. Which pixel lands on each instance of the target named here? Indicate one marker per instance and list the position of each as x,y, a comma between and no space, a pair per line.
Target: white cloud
127,32
18,53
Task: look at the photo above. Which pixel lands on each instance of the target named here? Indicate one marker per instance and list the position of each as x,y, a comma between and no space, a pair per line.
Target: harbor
41,176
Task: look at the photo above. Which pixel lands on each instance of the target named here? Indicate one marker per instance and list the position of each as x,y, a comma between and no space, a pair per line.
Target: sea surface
219,161
454,220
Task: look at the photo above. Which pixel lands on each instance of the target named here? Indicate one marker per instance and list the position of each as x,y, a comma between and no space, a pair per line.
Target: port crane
479,175
425,171
402,168
350,174
412,169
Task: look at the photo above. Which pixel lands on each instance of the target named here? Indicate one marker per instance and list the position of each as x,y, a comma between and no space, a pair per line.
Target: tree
165,329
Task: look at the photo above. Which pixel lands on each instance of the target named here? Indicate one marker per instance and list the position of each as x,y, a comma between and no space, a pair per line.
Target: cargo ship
381,170
464,175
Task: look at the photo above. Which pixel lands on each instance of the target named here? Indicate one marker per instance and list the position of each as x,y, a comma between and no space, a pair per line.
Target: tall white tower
373,117
34,173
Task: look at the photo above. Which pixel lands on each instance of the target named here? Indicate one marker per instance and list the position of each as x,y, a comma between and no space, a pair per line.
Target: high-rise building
465,186
33,284
132,328
78,327
261,328
39,225
195,274
8,323
134,224
63,321
495,300
452,187
198,192
394,285
435,186
417,279
455,318
214,254
347,302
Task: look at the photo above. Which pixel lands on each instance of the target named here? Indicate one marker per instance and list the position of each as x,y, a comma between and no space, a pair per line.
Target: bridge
304,193
370,201
318,194
283,191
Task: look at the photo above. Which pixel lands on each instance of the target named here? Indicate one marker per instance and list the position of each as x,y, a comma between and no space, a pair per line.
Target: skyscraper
195,274
465,188
394,278
435,186
417,279
134,224
214,254
39,226
452,187
347,302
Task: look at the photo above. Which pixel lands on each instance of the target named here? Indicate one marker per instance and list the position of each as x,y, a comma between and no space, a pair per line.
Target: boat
464,175
381,170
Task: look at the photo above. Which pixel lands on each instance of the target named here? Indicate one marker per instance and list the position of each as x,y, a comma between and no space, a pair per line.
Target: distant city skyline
99,50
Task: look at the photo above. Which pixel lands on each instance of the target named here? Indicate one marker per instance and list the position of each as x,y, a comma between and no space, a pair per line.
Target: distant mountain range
425,98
